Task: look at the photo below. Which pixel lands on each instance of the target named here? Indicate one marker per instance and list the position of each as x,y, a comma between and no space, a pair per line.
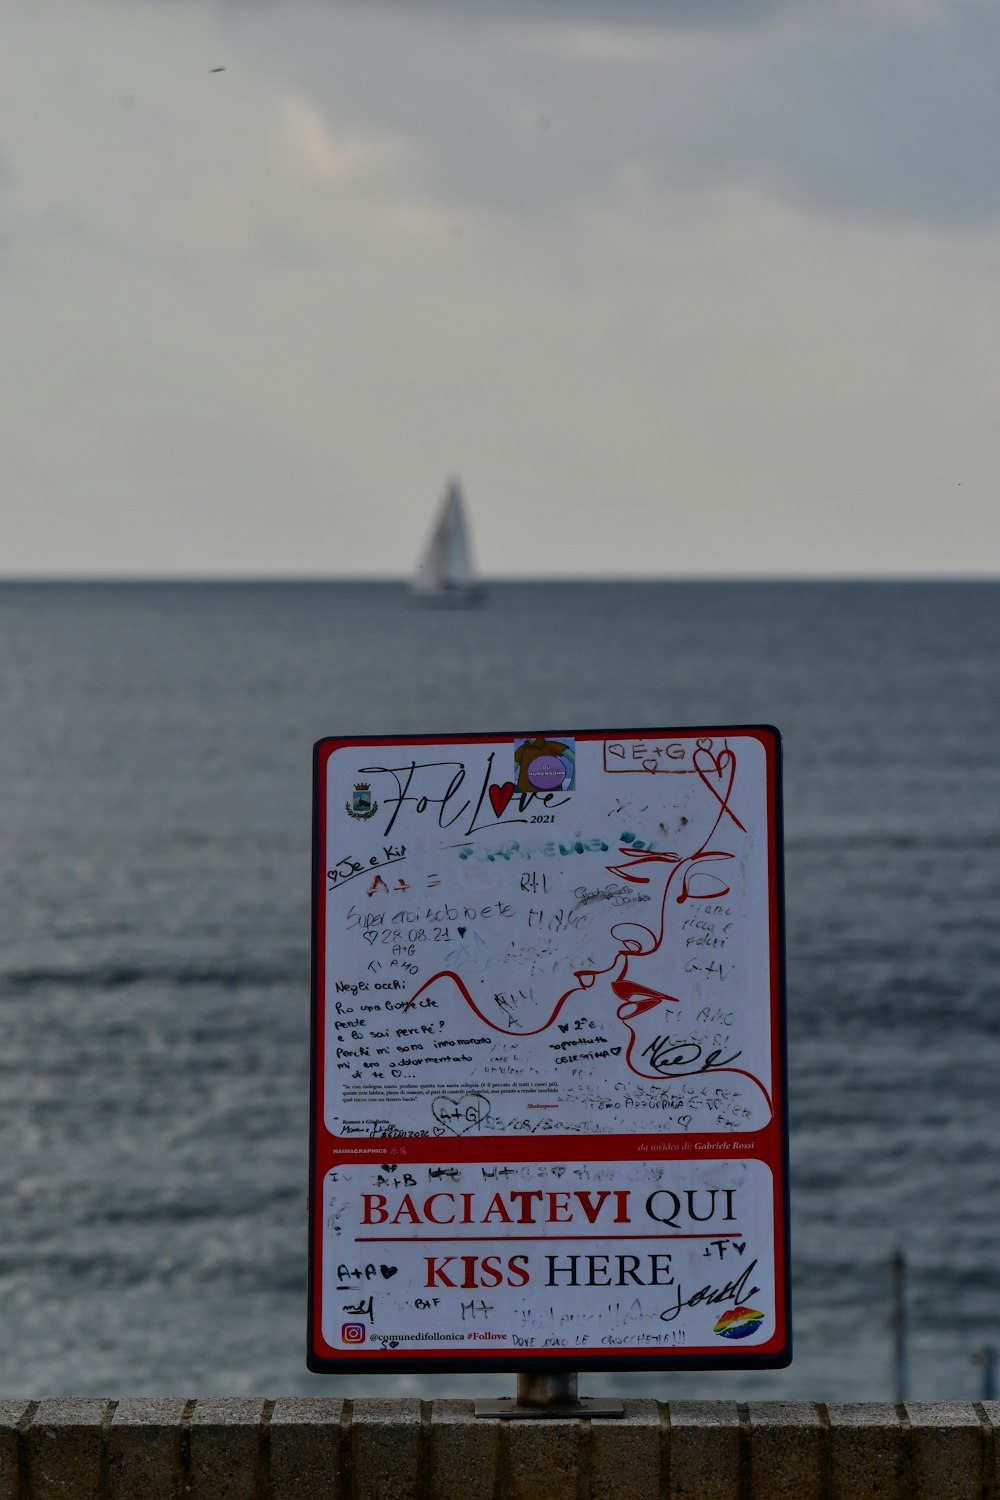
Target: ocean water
155,764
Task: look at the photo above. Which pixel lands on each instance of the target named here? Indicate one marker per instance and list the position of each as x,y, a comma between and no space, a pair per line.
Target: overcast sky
674,288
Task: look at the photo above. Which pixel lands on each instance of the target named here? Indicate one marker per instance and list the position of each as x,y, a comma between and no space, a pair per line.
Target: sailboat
445,574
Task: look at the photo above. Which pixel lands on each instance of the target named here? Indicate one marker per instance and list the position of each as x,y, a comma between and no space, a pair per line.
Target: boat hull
449,598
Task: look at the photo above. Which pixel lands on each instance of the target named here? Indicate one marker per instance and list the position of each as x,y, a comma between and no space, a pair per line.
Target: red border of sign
769,1144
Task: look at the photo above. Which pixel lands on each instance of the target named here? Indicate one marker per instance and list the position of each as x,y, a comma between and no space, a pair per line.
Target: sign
548,1095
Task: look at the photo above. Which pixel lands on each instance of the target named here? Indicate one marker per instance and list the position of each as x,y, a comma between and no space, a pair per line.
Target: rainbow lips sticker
739,1323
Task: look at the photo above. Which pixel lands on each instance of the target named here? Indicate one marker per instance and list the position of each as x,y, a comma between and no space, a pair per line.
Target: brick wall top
324,1448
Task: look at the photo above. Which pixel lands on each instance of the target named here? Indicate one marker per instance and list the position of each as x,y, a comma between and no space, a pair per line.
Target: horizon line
501,579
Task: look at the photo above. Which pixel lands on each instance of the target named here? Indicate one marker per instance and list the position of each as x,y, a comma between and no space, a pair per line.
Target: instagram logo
352,1333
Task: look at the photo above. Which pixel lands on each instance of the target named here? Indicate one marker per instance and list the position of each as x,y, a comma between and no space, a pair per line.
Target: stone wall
319,1448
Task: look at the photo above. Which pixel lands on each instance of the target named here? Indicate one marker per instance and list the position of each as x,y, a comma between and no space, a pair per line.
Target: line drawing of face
674,879
632,940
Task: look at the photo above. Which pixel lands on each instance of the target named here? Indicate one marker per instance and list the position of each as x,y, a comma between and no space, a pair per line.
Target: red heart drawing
717,773
500,796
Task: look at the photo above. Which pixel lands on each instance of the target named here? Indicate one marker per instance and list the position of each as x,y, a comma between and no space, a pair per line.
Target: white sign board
548,1093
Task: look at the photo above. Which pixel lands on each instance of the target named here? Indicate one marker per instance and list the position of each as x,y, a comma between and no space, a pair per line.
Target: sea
155,767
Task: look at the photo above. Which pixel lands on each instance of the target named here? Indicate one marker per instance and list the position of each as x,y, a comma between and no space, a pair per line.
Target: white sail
445,573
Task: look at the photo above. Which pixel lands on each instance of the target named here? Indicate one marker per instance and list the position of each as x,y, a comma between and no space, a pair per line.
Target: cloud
881,116
687,14
308,144
253,319
873,114
871,108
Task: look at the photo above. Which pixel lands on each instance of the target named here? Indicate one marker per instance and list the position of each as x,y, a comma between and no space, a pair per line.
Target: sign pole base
541,1394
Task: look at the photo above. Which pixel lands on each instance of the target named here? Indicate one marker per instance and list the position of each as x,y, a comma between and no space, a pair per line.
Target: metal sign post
548,1100
543,1395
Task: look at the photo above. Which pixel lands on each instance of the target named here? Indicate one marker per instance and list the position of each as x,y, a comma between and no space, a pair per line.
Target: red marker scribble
634,939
